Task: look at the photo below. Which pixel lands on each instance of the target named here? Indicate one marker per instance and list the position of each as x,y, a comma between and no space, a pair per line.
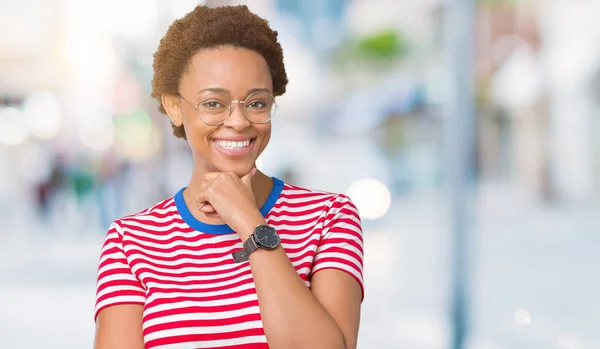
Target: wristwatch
264,236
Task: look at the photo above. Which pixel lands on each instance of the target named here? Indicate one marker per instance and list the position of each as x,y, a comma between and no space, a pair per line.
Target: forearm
292,317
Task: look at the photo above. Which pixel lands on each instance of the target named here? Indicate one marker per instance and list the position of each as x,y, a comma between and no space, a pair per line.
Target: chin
239,169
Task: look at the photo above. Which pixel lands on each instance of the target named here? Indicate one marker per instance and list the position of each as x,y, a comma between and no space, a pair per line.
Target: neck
261,188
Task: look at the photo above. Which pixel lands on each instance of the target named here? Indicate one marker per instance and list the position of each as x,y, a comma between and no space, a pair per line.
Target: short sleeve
341,244
116,282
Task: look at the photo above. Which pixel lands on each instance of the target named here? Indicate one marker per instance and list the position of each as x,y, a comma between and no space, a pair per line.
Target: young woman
237,259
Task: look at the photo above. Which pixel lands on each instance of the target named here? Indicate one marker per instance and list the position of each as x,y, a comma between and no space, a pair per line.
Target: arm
119,298
327,316
120,326
294,316
341,295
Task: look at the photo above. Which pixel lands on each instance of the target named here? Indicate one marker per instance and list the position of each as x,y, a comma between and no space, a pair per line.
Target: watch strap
240,256
249,247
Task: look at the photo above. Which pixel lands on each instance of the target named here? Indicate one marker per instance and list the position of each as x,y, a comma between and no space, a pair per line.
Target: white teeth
233,145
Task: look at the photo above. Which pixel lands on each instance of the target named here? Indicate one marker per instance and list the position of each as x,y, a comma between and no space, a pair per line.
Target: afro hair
208,28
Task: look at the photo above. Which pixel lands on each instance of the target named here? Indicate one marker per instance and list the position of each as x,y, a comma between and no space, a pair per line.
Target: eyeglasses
258,108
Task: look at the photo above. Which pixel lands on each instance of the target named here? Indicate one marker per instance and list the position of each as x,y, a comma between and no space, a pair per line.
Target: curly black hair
208,28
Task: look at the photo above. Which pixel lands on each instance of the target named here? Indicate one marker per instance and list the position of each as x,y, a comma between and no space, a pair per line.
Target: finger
207,209
204,206
211,175
208,178
247,178
201,204
213,215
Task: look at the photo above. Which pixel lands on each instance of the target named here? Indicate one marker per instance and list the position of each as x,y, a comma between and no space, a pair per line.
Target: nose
237,120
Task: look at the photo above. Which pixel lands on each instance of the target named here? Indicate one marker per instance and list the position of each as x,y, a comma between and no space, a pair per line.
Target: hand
229,197
206,207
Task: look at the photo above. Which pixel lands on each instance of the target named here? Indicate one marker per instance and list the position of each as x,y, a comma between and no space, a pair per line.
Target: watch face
266,236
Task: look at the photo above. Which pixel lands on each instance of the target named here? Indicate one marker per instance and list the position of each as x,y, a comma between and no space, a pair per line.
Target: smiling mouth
234,145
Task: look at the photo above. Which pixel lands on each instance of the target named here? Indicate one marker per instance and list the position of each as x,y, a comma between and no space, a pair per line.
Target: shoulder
163,212
330,200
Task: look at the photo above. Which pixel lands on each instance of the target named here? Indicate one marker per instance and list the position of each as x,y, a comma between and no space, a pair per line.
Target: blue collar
189,219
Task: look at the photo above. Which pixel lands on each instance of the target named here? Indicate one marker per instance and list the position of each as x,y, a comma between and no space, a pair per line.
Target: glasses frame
243,106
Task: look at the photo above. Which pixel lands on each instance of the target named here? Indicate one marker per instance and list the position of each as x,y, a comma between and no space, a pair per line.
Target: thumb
247,178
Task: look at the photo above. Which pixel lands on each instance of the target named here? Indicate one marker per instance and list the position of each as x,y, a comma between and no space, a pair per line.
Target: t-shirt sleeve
341,245
116,282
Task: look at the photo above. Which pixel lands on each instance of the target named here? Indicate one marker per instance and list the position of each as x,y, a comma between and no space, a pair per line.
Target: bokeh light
14,129
98,139
371,197
135,137
522,317
43,114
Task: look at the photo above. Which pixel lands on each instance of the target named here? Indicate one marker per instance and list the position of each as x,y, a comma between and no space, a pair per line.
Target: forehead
234,69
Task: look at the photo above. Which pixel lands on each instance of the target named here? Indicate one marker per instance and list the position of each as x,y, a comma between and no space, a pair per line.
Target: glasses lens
214,111
260,107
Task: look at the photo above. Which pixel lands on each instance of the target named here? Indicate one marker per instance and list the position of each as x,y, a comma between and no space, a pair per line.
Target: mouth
233,145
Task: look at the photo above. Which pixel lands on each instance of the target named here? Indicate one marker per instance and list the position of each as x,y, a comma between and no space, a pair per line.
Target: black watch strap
249,247
240,256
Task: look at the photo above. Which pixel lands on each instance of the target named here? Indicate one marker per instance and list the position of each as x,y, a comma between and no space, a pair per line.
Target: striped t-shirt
182,271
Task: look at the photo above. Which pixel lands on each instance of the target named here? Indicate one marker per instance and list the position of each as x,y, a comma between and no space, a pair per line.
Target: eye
257,104
213,105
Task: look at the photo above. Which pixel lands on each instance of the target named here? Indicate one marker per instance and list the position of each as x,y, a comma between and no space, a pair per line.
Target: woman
237,259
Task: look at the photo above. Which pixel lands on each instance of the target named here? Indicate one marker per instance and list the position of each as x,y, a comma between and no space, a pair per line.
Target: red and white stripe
194,294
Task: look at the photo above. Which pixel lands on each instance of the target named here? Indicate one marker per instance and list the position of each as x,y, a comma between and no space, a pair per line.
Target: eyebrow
227,92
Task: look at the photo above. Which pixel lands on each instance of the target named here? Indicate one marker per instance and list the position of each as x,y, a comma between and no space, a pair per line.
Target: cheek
197,134
265,135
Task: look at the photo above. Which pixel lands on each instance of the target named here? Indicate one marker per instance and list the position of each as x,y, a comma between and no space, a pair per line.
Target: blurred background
368,112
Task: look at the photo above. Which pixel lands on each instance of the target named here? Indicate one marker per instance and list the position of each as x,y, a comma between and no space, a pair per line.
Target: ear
172,105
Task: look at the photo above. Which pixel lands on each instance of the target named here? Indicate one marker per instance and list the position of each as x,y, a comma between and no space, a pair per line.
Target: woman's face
213,78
